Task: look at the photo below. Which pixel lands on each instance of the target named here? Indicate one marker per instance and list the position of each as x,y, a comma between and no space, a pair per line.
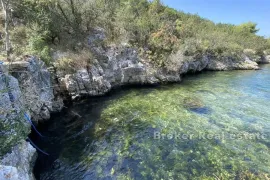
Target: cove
131,133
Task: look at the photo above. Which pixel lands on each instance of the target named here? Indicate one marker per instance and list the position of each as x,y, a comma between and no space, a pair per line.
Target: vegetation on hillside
40,27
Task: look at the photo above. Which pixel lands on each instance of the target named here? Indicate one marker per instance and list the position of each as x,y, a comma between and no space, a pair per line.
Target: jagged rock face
122,65
196,65
229,63
266,59
119,66
36,86
13,126
30,93
18,165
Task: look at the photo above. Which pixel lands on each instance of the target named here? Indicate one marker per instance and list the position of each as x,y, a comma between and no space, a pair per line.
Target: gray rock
117,65
18,165
8,173
230,63
36,86
195,65
13,126
122,65
265,59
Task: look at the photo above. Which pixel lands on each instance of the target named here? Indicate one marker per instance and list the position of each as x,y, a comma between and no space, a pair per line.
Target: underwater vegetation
137,135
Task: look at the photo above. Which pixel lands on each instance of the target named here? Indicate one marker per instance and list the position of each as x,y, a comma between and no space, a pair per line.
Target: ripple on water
114,138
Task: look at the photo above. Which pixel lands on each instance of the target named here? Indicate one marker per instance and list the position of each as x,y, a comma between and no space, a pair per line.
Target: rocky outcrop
18,165
122,65
36,87
30,88
196,65
13,126
265,59
230,63
119,66
19,96
26,91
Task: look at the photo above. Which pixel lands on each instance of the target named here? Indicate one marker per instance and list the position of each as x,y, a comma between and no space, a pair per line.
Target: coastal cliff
29,88
83,52
38,91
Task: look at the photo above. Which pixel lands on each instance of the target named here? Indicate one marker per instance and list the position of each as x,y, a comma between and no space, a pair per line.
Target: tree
6,8
249,27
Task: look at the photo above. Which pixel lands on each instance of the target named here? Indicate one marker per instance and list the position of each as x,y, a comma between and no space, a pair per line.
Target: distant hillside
40,27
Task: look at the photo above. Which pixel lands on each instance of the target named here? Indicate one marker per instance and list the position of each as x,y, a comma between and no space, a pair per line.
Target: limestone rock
13,126
18,165
36,86
8,173
230,63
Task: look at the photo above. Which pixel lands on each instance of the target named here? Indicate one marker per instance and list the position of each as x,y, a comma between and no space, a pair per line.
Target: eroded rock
36,86
13,126
18,165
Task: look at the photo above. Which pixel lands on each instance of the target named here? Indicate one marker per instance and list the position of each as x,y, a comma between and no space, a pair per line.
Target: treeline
38,27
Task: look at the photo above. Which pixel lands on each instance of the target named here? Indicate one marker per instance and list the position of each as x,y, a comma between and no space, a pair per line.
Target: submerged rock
202,110
196,105
192,103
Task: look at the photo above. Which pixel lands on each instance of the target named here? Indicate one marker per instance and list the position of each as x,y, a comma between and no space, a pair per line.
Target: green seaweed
126,148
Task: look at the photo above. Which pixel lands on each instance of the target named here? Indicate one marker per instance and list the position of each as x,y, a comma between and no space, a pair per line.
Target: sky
228,11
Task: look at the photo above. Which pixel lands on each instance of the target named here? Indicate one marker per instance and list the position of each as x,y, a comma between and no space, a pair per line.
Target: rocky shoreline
39,91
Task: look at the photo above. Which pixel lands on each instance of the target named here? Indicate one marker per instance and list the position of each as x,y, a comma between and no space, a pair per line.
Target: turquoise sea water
214,125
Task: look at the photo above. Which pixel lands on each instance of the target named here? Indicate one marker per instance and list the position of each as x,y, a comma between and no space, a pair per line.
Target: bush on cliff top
144,24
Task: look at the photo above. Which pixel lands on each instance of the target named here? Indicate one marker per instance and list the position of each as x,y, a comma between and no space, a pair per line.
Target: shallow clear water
214,125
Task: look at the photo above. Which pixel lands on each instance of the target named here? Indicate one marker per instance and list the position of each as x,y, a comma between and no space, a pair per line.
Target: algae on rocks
13,126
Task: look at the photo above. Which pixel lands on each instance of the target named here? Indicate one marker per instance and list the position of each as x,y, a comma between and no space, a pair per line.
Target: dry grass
74,62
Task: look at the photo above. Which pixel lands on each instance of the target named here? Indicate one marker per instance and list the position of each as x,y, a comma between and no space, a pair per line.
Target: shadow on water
66,131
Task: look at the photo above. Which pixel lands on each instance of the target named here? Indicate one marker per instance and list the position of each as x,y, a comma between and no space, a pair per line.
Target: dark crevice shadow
69,125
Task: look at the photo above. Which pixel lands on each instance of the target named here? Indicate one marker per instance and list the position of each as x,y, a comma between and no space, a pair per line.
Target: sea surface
213,125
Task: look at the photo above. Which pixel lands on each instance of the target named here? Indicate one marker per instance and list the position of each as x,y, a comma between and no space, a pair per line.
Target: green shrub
142,23
38,46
